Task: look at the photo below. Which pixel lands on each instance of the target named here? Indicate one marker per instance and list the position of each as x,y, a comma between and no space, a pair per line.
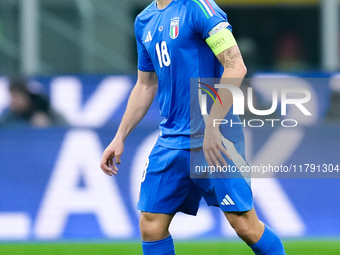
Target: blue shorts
171,183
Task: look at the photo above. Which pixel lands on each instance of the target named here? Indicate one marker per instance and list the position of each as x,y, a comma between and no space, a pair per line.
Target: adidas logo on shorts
227,201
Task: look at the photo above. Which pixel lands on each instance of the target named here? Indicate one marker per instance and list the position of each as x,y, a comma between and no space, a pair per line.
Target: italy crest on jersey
174,28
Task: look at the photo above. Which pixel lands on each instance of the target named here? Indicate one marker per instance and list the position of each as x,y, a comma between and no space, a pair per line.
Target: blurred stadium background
82,55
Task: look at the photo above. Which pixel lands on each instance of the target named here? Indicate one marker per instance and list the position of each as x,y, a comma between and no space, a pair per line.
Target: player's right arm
139,103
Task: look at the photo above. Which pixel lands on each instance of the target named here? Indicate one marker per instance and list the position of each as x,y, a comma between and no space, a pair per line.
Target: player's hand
111,157
213,148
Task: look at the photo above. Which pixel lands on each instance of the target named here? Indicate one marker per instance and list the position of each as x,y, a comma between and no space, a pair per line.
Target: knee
247,225
245,232
152,227
248,231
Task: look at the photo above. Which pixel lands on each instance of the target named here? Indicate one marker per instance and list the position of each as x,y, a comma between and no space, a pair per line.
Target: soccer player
178,40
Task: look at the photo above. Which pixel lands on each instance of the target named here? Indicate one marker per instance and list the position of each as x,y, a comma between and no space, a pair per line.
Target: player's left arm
234,72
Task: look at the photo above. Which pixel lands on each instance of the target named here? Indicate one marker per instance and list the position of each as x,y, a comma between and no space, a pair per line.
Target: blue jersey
171,42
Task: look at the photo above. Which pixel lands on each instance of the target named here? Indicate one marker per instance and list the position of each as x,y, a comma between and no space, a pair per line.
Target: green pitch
182,248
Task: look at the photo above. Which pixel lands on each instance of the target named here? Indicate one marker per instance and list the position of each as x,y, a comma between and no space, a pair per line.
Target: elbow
151,88
242,70
154,89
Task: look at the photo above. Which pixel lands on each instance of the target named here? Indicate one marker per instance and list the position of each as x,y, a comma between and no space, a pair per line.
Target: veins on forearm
227,58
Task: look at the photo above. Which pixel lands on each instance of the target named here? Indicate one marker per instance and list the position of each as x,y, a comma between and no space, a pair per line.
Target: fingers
117,159
113,166
224,151
107,168
107,164
111,157
214,156
215,159
220,157
208,158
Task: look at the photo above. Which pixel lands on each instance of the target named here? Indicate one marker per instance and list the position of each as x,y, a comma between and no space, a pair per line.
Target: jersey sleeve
144,61
206,15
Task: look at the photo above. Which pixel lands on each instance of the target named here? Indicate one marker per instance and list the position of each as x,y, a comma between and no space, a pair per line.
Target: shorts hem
192,213
232,209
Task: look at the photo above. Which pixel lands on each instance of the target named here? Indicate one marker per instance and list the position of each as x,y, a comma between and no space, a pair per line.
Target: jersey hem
181,146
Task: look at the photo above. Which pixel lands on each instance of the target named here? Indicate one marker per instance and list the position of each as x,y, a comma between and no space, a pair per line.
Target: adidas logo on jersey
227,201
148,37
